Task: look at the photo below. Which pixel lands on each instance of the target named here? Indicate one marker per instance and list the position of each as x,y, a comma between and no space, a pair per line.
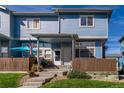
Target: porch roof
74,36
4,37
56,37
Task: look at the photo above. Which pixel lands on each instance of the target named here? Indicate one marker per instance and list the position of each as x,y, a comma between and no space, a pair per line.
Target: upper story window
33,23
86,21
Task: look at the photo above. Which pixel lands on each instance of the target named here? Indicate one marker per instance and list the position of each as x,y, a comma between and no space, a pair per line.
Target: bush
78,75
34,68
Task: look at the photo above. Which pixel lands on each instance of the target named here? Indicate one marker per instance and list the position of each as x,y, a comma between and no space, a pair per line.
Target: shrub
78,75
34,68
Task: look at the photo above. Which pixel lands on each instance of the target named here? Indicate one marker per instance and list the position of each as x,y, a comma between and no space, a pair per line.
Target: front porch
64,48
61,50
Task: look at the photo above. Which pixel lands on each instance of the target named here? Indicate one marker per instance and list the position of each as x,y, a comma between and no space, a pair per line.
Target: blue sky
116,24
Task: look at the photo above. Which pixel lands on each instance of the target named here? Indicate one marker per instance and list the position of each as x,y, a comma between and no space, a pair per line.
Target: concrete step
29,87
33,84
59,73
55,69
40,79
48,74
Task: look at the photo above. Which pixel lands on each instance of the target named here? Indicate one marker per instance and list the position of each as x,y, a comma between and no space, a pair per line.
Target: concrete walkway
44,76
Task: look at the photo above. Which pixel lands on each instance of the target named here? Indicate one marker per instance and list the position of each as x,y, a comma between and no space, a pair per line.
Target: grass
78,83
10,80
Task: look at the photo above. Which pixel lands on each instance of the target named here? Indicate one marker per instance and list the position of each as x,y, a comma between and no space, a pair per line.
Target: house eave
55,35
33,13
83,10
2,36
93,37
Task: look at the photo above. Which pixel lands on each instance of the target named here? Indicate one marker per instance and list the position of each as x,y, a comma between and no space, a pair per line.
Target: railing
92,64
14,64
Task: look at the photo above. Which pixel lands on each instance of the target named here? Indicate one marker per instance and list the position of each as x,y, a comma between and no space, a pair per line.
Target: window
85,49
47,54
86,21
33,23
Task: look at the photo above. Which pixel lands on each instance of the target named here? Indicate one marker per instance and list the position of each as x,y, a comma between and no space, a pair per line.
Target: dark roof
122,38
34,13
61,10
66,10
82,10
5,9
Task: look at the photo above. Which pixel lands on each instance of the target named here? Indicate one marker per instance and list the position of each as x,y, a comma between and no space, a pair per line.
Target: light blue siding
47,25
70,24
5,23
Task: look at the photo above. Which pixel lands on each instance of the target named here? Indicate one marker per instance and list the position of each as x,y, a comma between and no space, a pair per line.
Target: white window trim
33,19
86,23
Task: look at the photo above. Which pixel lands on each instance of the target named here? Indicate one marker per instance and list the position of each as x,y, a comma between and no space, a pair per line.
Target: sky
116,23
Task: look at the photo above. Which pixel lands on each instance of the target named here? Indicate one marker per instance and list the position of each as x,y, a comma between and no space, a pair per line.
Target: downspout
59,23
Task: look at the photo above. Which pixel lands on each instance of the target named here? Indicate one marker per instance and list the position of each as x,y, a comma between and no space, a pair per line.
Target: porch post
73,49
38,52
9,50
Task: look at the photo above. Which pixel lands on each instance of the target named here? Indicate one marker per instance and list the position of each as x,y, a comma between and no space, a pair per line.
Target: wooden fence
14,64
92,64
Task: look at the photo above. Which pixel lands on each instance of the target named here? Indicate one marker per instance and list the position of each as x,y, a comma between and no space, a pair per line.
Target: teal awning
22,49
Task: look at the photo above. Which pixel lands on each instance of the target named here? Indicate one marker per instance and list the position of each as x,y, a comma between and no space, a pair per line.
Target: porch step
59,73
53,73
38,84
40,79
46,74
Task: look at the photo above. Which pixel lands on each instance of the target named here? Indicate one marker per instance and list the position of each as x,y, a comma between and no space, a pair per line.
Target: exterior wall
70,24
47,25
99,50
5,23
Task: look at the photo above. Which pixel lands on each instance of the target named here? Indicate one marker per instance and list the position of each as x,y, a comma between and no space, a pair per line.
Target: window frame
88,47
32,19
86,20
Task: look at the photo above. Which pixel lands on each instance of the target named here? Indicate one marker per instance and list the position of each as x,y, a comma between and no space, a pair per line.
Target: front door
57,57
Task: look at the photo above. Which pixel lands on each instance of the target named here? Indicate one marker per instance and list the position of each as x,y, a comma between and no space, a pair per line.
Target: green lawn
10,80
76,83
